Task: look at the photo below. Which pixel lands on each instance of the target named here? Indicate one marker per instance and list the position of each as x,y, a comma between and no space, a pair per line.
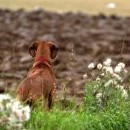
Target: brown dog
40,81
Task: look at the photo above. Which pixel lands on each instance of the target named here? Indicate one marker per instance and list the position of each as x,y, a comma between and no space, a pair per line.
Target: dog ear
32,49
54,50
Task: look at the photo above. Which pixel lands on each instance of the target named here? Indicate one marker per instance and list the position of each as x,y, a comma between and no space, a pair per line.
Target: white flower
91,66
116,76
5,97
20,114
98,95
115,82
99,66
98,79
13,112
107,62
13,105
9,106
117,69
85,76
102,74
119,78
26,113
121,64
120,87
109,70
16,105
104,68
107,84
16,116
124,94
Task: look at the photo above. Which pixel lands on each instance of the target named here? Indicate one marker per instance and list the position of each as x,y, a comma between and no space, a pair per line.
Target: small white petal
107,84
16,105
91,66
9,105
26,109
121,64
102,74
104,68
117,69
98,79
109,70
99,66
116,76
124,94
120,87
107,62
98,95
5,97
85,76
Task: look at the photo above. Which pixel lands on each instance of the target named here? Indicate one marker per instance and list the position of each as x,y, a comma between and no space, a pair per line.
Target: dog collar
42,59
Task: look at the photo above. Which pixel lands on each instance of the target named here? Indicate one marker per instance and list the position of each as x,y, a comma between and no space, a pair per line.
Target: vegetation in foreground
106,105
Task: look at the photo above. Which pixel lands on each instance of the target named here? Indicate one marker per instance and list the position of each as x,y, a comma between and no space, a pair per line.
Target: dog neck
40,60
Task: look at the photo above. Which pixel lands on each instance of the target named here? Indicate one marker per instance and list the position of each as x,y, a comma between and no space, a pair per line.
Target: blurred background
85,30
118,7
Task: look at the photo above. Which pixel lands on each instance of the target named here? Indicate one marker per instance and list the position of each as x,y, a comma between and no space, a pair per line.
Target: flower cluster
12,113
108,78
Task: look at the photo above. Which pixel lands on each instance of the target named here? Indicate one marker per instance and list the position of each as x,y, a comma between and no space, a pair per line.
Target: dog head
43,47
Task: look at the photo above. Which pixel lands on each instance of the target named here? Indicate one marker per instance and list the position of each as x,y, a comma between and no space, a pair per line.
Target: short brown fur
40,80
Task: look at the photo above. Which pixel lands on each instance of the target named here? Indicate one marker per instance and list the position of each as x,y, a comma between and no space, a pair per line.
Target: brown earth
81,38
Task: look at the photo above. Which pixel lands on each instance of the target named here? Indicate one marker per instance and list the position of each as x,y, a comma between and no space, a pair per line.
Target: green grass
87,6
89,116
111,112
56,119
